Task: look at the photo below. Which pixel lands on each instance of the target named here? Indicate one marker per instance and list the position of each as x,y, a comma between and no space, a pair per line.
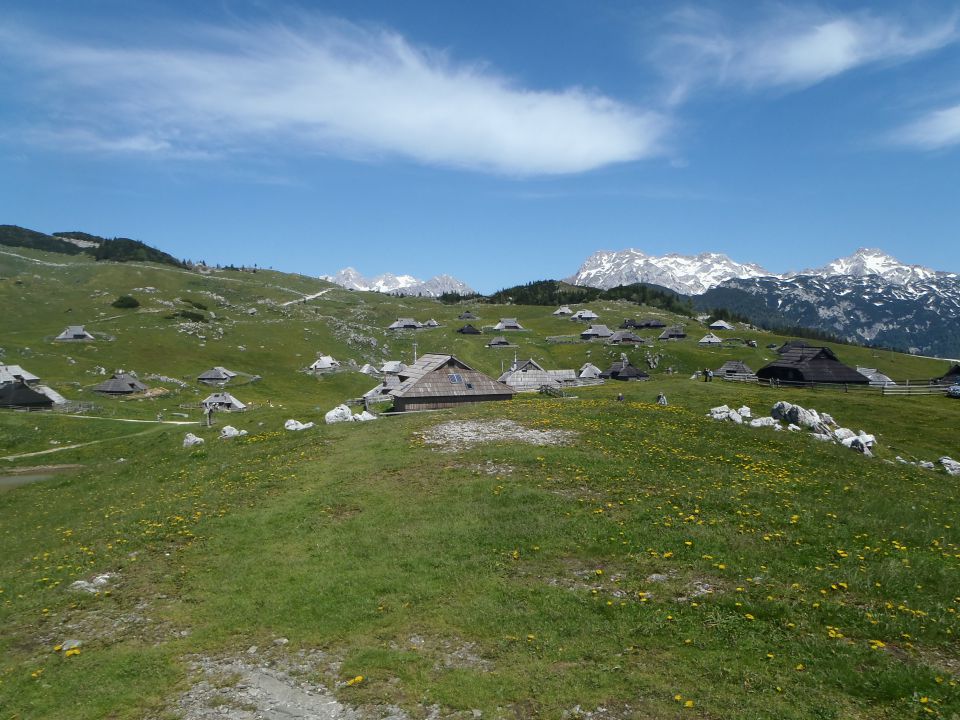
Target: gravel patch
464,434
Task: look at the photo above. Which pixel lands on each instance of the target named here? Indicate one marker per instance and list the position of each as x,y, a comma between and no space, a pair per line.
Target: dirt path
306,297
61,448
130,420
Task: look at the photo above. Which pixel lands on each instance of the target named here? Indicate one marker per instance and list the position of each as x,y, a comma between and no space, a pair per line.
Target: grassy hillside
654,563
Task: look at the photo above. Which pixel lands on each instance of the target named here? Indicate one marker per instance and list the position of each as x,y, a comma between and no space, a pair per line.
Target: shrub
126,301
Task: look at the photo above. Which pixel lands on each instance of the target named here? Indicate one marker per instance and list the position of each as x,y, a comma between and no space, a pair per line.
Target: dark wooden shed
811,365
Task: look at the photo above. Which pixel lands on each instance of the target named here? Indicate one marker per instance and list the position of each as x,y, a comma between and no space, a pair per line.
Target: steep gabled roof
18,394
468,329
508,324
710,339
734,367
15,373
216,374
812,365
674,331
223,398
624,336
120,384
74,332
444,376
597,331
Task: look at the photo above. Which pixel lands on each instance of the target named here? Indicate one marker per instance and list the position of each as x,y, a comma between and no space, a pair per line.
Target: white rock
292,424
868,440
926,465
721,410
189,440
364,416
822,437
780,410
842,434
827,419
763,422
735,416
950,465
341,413
794,428
745,412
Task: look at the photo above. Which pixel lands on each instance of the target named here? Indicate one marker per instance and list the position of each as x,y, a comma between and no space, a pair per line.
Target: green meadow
651,563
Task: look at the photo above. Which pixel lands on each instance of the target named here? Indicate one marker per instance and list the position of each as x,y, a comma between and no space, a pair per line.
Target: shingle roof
445,376
15,373
120,384
812,365
734,367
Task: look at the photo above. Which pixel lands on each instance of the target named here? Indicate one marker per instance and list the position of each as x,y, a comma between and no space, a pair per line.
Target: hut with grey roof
720,325
217,375
468,329
530,376
563,310
596,332
499,341
120,384
440,381
811,365
222,402
508,324
623,370
589,371
624,336
467,315
404,324
584,315
710,340
74,333
674,332
735,369
20,395
16,374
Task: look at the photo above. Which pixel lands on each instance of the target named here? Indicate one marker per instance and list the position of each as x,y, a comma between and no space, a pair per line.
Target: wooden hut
216,376
120,384
439,381
811,365
950,377
675,332
467,315
530,376
21,395
720,325
16,374
499,341
710,340
596,332
589,371
584,315
508,324
324,363
563,310
404,324
623,370
791,345
468,329
74,333
624,336
222,402
735,369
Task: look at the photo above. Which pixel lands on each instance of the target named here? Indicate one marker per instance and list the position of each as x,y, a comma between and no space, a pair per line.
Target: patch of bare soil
458,435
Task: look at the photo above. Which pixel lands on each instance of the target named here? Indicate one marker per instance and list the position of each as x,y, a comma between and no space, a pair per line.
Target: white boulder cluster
292,424
341,413
229,431
951,466
821,425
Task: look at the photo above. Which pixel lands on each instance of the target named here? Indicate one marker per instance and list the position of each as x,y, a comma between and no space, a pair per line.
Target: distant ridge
75,242
400,284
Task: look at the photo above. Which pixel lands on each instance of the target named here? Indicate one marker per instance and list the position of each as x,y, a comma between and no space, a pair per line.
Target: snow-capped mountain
399,284
921,316
687,274
869,261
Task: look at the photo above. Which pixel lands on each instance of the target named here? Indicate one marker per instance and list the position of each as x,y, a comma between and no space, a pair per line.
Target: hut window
455,378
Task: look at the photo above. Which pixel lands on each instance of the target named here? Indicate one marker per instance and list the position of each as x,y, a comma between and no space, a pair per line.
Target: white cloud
791,48
935,130
328,87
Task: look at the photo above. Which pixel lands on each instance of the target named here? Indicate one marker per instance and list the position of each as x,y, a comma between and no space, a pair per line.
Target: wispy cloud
328,87
790,48
933,131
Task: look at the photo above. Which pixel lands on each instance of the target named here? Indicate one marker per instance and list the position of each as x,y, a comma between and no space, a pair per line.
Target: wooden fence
904,387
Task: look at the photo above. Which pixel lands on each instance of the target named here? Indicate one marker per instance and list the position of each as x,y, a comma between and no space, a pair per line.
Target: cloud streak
936,130
790,48
326,87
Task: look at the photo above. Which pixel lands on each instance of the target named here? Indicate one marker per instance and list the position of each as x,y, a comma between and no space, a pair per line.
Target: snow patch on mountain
687,274
389,283
870,261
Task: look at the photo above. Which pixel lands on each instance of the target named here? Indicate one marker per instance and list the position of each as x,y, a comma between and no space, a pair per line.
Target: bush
126,301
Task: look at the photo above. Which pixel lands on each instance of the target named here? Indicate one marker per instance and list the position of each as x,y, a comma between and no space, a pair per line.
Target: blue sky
499,141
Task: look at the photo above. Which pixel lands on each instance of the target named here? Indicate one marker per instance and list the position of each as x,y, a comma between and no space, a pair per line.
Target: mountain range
399,284
868,297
